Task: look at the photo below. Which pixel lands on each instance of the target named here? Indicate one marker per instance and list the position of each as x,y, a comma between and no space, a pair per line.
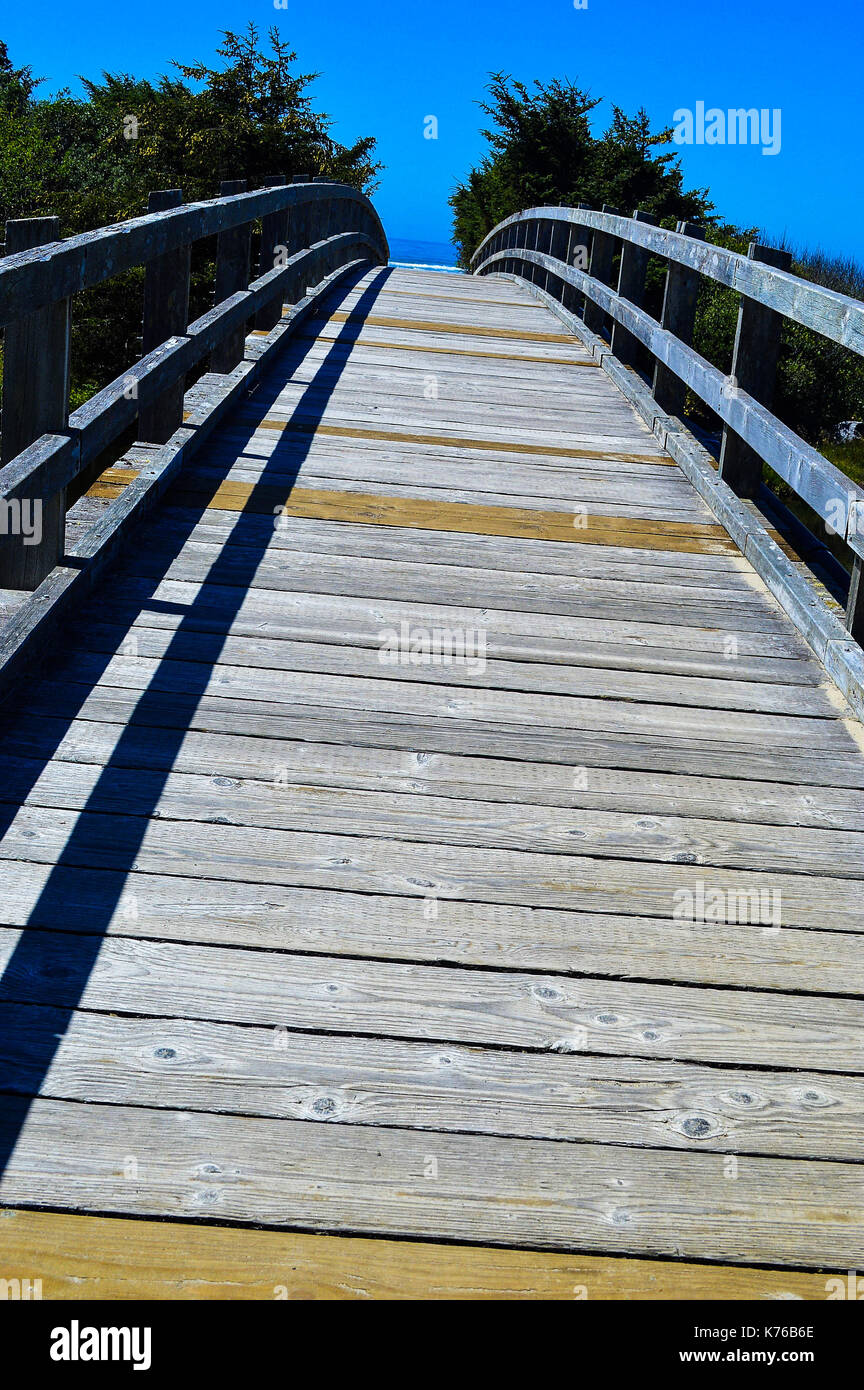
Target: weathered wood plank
430,819
610,643
191,1065
375,694
377,864
441,349
311,763
522,443
438,515
510,1191
451,547
820,765
589,490
470,933
466,329
389,658
383,998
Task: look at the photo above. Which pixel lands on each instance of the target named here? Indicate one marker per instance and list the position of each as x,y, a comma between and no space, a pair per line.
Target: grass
849,458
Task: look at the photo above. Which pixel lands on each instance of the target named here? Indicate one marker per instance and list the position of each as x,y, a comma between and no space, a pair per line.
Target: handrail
752,434
310,228
833,315
31,279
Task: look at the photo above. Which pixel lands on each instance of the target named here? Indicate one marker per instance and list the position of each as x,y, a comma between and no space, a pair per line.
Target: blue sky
419,59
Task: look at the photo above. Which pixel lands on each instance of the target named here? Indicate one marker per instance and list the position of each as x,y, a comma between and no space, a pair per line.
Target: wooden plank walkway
350,837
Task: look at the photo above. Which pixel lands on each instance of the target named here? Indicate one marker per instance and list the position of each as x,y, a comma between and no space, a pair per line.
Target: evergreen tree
542,151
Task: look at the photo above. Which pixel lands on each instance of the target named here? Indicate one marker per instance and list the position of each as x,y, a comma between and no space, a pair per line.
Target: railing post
524,243
631,286
232,274
576,236
514,265
299,232
528,235
274,234
328,226
502,265
166,315
680,298
600,268
319,216
754,370
559,242
855,601
500,243
537,273
35,402
510,237
544,242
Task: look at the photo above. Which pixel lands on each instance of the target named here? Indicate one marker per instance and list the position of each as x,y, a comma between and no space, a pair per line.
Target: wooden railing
569,253
309,229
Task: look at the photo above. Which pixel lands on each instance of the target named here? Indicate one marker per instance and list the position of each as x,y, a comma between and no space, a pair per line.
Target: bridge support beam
166,315
35,402
754,370
631,285
680,298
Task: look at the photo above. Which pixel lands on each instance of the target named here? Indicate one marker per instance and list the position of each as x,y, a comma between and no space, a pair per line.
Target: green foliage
542,151
93,160
849,457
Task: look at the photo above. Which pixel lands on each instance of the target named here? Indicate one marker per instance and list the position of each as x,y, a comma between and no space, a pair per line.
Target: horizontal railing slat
32,279
833,315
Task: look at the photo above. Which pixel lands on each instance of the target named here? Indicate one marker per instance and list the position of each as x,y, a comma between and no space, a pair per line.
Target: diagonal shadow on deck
42,969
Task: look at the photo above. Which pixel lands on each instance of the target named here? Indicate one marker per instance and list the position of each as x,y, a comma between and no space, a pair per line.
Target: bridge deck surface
299,936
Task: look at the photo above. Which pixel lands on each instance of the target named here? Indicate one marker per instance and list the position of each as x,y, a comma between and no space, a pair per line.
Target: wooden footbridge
432,789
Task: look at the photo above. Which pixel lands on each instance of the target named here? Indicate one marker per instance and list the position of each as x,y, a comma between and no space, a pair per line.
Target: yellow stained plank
426,515
464,352
467,329
475,299
93,1257
455,442
111,483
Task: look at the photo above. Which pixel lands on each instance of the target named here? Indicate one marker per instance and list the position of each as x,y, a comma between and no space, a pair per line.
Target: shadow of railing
42,969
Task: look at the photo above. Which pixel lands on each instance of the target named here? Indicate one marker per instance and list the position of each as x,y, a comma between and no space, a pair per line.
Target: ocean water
404,251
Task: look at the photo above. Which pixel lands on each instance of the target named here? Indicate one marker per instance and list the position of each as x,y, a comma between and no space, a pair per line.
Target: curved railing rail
569,253
309,229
